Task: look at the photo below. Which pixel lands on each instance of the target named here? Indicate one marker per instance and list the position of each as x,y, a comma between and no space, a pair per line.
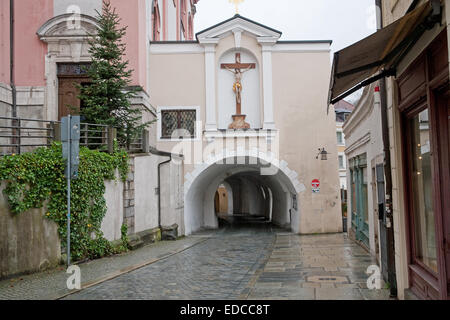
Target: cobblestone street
258,262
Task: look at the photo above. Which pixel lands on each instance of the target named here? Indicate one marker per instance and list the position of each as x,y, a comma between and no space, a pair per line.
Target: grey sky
343,21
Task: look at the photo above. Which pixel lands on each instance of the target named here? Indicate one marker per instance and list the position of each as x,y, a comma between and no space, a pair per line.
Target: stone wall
28,241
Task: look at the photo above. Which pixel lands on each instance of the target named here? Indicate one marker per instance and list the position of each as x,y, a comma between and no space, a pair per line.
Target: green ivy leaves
37,178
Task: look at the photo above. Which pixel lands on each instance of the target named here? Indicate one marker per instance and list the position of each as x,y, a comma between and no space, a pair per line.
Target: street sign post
70,138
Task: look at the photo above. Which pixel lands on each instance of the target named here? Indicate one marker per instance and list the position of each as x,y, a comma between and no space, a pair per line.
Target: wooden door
68,102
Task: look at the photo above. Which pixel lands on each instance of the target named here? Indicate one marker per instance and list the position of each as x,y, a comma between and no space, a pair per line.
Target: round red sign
315,183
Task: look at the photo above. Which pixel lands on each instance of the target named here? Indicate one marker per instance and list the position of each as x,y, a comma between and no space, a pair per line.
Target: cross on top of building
236,4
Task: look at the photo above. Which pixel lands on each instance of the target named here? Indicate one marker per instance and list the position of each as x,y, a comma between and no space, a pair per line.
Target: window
421,173
365,196
178,123
190,28
183,18
353,193
342,116
340,137
156,21
341,162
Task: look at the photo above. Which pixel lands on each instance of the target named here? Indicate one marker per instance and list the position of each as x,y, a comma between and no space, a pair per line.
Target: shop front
423,102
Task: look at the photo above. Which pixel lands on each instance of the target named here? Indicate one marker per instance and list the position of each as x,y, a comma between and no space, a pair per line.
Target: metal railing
137,143
93,135
18,135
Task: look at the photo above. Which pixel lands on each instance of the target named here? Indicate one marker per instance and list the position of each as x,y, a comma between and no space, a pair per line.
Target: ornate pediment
237,25
67,26
67,36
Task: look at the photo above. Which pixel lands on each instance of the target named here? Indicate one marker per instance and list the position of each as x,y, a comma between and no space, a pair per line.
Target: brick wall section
128,197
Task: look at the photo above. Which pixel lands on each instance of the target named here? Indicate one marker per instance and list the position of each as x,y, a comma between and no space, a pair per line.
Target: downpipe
387,171
11,60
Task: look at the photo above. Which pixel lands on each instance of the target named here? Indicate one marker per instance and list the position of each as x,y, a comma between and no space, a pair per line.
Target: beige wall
177,80
300,91
300,87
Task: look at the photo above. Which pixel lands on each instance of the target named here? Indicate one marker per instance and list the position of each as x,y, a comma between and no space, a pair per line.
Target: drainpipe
11,58
164,154
159,189
387,171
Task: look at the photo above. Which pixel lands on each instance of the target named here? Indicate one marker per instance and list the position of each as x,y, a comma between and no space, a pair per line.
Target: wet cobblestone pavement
219,268
250,262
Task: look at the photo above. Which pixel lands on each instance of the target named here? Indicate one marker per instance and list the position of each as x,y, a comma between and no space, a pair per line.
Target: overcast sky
343,21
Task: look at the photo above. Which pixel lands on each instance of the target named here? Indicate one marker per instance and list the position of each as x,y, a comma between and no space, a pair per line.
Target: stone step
136,244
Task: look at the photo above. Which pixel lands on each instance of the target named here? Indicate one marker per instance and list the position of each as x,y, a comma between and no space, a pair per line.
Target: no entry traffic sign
315,184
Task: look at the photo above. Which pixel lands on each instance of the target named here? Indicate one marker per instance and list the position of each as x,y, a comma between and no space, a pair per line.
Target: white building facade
271,164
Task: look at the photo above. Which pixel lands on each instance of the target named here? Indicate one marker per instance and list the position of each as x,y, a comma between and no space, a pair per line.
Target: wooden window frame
417,89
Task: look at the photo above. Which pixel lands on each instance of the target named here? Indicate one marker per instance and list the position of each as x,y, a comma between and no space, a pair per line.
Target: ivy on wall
36,179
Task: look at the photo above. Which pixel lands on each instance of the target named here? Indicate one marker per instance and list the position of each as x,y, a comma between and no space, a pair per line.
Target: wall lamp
323,154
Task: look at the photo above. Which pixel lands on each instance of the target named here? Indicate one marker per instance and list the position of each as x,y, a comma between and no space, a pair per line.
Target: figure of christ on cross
238,69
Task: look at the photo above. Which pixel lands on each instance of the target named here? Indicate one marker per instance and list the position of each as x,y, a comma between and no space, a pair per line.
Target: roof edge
237,16
305,41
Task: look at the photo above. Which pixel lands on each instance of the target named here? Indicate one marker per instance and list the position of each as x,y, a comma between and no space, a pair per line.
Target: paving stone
381,294
233,263
338,294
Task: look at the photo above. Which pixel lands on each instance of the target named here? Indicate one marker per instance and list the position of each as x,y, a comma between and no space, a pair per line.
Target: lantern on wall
323,154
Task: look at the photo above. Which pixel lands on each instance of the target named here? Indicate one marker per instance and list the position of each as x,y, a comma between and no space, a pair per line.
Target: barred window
178,124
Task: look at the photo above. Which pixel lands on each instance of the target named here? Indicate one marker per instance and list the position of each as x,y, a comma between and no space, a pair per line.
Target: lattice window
72,69
178,124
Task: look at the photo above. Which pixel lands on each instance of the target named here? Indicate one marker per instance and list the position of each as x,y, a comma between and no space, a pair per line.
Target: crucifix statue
238,69
236,4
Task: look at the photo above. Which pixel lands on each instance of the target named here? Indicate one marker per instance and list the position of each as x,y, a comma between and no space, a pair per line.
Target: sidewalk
51,284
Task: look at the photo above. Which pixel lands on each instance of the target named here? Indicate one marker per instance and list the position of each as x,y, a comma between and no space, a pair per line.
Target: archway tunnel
240,193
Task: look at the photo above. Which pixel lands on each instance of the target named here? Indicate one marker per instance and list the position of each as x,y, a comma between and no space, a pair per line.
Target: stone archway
202,183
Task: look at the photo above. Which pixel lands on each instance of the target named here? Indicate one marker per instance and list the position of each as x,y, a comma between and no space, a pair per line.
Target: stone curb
116,274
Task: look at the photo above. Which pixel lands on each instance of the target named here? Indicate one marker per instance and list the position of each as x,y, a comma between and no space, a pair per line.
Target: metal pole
69,138
11,59
392,278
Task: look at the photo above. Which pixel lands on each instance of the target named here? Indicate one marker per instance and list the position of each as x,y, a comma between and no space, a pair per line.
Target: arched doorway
272,196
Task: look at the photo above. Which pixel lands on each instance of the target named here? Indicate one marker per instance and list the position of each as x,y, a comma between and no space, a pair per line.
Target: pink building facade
47,40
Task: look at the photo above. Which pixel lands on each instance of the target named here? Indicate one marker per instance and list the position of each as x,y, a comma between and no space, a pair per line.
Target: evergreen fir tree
106,99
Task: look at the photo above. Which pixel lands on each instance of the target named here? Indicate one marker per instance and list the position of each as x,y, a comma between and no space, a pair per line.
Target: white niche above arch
226,98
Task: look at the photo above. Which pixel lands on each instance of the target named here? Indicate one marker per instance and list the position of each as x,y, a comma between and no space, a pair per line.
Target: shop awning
379,52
